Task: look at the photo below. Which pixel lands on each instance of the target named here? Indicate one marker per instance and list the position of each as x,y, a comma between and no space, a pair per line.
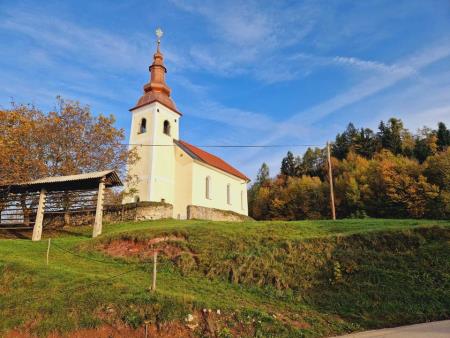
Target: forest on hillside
391,173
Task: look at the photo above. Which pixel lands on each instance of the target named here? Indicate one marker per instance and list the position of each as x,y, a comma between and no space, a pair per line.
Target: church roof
210,159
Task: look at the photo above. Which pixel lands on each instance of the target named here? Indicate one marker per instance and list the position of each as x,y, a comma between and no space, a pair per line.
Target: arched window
166,128
228,193
143,126
208,187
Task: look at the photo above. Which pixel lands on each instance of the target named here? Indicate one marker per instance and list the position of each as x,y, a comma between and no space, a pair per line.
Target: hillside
255,279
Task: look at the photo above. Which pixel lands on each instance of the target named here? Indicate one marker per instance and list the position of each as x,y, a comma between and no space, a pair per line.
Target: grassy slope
329,277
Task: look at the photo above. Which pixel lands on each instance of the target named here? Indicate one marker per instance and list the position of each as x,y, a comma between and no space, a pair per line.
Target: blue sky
242,72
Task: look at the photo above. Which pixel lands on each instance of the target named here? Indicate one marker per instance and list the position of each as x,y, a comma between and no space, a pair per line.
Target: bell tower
154,127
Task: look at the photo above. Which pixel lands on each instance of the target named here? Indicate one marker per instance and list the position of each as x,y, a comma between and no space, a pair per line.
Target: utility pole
330,175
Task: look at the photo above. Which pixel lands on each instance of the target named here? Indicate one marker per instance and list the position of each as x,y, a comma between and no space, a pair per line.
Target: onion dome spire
157,89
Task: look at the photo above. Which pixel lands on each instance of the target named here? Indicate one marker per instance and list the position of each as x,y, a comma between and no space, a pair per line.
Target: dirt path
427,330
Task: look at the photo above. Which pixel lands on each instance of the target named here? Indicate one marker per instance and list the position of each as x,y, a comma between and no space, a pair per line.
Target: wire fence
64,291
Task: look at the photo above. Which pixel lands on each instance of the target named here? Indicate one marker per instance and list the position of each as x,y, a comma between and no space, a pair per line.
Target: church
171,170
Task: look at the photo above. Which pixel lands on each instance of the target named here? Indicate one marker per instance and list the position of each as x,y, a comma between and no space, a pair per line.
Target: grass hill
254,279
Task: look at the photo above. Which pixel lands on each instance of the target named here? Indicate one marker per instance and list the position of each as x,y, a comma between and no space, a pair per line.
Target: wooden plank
99,211
37,229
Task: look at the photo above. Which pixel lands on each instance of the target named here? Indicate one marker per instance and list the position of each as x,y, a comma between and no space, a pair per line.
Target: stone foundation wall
153,210
111,214
210,214
139,212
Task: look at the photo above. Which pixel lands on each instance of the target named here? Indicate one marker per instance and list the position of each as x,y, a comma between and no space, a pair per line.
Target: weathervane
159,33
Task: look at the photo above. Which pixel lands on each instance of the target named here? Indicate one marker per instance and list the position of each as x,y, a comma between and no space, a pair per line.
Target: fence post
48,248
155,255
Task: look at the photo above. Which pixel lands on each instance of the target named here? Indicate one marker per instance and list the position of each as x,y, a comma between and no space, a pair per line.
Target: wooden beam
37,229
99,211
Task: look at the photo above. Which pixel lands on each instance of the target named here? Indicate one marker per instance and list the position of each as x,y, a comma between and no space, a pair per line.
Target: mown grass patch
268,278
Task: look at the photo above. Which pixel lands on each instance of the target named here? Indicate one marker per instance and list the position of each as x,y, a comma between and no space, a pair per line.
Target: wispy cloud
97,47
367,64
299,127
238,118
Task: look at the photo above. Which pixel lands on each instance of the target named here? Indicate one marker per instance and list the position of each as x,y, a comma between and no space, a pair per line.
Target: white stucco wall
183,187
162,185
156,166
166,172
218,189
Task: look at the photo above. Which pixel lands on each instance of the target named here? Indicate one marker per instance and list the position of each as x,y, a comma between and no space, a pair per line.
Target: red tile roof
210,159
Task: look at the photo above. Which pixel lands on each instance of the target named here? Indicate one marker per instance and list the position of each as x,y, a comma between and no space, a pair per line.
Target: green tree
256,208
425,144
288,165
390,135
263,174
312,163
443,136
365,143
344,142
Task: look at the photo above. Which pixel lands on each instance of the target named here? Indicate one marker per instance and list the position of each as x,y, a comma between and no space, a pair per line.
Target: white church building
171,170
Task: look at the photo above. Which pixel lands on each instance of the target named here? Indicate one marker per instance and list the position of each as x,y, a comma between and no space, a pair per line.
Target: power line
230,146
85,257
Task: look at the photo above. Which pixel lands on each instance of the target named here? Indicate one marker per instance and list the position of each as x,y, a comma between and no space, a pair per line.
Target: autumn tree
389,174
437,171
303,198
351,185
68,140
21,146
397,187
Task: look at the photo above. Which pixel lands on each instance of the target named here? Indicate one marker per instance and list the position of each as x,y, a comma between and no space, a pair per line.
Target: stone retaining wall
111,214
210,214
139,212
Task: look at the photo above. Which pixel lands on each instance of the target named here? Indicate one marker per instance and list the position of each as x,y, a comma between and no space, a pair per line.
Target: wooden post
330,175
37,229
155,255
48,248
99,211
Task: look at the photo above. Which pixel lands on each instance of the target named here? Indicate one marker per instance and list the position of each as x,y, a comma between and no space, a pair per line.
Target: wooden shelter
88,189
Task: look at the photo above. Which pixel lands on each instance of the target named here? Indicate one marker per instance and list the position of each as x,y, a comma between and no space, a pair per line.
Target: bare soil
143,249
107,331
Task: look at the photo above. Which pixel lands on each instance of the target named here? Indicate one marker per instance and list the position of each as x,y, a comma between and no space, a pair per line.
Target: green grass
308,278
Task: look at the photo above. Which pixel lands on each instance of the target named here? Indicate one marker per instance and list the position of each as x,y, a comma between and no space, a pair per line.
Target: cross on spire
159,33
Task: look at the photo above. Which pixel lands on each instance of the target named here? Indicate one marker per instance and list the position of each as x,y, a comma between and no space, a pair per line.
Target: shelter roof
84,181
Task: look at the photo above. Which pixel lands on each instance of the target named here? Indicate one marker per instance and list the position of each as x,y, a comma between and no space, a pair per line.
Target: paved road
427,330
